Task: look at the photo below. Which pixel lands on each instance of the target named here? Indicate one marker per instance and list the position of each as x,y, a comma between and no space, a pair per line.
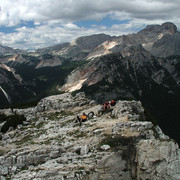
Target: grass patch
25,139
2,152
67,122
47,142
77,133
66,113
80,134
40,125
57,115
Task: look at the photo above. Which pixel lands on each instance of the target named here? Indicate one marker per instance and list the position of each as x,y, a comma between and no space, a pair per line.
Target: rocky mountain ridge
125,69
150,38
159,40
78,49
120,144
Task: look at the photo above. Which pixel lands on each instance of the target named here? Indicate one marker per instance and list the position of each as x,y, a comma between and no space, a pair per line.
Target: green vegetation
26,139
45,81
77,133
67,122
2,152
57,115
48,142
40,125
66,113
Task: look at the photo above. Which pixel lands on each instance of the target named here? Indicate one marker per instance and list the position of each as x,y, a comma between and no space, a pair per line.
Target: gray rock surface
117,145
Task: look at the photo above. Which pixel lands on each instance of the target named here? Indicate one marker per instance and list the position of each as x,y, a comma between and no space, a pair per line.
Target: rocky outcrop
61,102
162,156
117,145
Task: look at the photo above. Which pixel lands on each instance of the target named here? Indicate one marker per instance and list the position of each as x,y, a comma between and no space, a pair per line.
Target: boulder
84,150
105,147
157,157
132,109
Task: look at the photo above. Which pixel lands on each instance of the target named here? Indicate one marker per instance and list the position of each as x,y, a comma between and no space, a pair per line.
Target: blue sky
106,21
32,24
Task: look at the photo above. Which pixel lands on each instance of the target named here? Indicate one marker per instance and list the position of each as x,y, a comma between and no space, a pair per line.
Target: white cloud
71,26
45,35
68,10
54,21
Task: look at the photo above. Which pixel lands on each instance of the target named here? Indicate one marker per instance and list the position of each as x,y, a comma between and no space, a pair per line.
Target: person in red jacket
106,106
113,103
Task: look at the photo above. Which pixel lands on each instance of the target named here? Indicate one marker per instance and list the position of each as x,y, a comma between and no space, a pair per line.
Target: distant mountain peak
172,28
92,41
165,27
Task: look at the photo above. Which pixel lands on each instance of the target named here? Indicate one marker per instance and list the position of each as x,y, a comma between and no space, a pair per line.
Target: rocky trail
117,145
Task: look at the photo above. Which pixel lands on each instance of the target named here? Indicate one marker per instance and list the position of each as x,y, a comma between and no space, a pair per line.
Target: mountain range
144,66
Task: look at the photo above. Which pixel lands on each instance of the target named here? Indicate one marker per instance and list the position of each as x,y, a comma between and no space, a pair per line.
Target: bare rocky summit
117,145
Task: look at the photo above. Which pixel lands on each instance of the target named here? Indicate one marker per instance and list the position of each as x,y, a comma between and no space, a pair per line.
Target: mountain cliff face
133,71
117,145
168,45
160,40
78,49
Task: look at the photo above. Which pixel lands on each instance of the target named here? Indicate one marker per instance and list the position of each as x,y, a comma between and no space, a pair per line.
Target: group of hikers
106,107
108,104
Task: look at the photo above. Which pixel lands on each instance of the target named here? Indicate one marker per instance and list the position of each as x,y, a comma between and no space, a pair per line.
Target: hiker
106,106
113,103
82,118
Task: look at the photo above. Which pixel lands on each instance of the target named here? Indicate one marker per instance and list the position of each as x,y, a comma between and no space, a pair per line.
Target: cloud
45,35
67,10
55,21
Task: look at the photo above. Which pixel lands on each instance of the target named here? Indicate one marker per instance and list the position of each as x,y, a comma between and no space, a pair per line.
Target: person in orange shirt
82,118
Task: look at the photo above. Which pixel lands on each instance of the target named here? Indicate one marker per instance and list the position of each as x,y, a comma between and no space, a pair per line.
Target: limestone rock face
61,102
115,145
132,109
162,156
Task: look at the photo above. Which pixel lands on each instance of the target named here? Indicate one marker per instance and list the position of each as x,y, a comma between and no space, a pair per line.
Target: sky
33,24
